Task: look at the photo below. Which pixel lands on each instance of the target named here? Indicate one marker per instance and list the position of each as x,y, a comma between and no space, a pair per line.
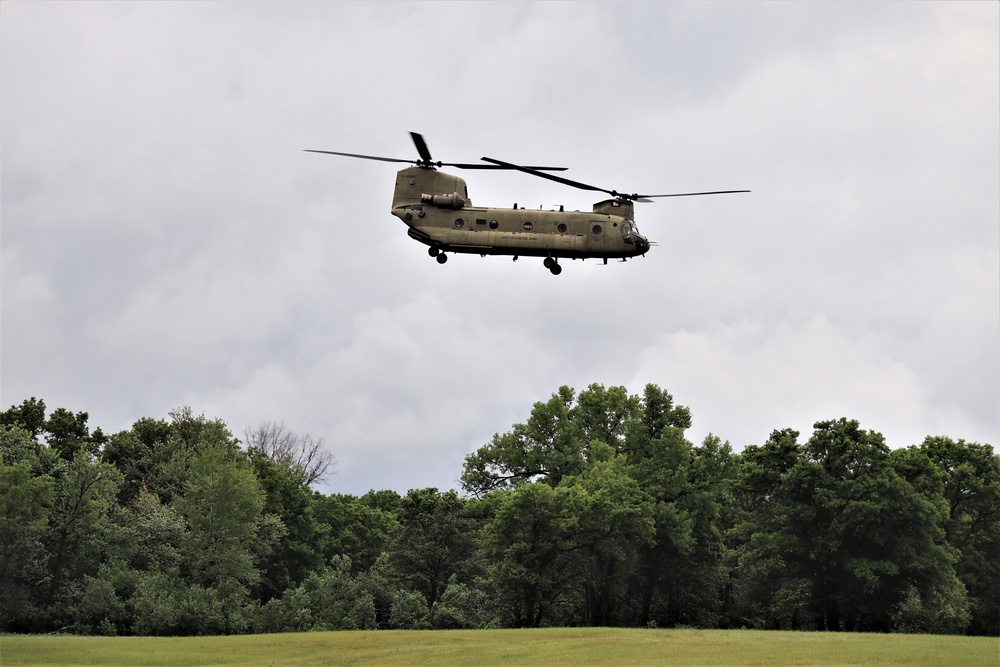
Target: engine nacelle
453,200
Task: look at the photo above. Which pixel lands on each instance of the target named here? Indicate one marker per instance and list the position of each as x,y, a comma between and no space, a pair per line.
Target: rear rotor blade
460,165
480,165
690,194
425,153
364,157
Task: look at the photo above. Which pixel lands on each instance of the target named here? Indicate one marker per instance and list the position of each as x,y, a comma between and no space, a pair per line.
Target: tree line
595,511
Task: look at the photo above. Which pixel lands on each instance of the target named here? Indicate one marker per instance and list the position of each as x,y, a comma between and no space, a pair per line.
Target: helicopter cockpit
631,236
629,230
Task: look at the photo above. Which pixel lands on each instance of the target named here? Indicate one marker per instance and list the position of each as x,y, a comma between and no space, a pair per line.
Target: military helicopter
437,209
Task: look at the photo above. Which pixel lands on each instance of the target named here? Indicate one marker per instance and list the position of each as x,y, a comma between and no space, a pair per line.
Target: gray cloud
165,242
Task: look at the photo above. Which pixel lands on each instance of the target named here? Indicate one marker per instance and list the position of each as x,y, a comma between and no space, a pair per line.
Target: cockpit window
627,230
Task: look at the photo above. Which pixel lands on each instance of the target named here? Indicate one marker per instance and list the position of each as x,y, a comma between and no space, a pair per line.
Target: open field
564,646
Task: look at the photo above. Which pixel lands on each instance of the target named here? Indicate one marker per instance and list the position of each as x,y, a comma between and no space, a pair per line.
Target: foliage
433,540
836,537
288,500
304,456
596,510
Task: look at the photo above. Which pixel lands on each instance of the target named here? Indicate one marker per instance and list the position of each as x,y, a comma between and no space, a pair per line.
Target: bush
940,612
462,607
409,611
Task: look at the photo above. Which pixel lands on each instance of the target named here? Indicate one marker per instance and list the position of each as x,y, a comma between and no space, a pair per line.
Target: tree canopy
596,510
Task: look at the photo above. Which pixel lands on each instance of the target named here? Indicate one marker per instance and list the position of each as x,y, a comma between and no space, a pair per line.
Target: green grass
589,646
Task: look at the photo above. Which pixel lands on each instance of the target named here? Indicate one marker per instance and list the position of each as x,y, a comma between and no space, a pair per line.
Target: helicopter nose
641,244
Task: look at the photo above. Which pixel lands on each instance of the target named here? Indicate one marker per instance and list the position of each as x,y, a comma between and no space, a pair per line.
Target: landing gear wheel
442,258
548,262
433,251
555,269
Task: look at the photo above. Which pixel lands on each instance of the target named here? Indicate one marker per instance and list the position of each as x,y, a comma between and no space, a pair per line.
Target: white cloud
745,380
165,242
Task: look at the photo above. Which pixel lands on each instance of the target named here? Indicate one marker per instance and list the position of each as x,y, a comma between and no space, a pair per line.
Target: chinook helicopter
436,208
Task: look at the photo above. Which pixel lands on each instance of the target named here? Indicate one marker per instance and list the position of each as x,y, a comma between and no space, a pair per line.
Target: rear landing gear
442,258
552,265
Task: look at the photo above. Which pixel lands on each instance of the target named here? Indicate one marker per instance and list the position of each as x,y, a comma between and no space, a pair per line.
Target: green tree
836,536
165,604
578,445
463,607
30,415
547,447
149,535
610,520
682,575
435,539
69,435
24,513
969,478
299,549
358,528
156,454
408,611
144,538
101,604
79,526
328,599
140,453
25,501
227,529
769,591
528,546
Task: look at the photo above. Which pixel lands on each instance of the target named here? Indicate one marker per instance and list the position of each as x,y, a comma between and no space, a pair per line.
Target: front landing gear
435,252
552,265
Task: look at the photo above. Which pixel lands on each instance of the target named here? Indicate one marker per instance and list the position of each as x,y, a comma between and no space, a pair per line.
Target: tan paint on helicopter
438,207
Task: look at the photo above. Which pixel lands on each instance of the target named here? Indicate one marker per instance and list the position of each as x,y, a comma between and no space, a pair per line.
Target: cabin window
494,224
528,226
459,223
561,227
597,230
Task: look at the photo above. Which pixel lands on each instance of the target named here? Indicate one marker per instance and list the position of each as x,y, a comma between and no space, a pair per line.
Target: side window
596,228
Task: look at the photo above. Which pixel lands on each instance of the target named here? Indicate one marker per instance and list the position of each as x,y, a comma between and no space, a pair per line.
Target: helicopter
436,208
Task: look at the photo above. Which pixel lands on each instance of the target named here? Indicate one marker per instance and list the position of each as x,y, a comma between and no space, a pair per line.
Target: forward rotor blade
425,153
614,193
558,179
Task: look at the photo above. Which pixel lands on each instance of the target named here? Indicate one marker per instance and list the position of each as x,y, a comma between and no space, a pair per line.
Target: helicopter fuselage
439,213
437,209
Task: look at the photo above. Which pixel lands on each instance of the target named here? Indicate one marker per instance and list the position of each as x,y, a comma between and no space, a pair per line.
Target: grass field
590,646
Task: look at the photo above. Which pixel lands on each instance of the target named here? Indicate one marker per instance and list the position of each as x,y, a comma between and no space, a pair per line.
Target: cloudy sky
166,242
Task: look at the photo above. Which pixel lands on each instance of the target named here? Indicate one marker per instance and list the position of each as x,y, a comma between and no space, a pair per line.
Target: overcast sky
166,242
